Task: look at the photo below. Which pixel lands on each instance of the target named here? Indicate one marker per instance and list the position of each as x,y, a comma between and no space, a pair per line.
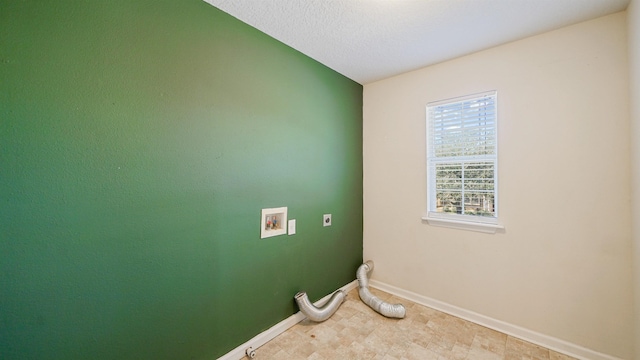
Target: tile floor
355,331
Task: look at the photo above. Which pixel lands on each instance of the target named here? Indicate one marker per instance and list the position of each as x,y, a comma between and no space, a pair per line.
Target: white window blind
462,158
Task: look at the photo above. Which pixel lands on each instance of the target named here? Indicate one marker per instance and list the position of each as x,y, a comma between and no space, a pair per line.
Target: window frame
486,224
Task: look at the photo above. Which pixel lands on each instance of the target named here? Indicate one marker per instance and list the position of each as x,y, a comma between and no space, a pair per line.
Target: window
462,162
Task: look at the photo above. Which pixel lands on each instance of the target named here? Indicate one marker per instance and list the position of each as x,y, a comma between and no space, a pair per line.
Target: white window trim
464,225
456,221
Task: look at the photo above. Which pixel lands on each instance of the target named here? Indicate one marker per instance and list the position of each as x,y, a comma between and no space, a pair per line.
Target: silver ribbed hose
322,313
374,302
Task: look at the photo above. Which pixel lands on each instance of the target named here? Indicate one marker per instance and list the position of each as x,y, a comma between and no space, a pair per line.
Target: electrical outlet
326,220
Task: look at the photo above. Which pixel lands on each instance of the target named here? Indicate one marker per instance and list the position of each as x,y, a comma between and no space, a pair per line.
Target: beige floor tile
355,331
557,356
477,353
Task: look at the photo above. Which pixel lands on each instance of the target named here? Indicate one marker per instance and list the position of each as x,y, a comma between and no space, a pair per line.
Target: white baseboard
546,341
277,329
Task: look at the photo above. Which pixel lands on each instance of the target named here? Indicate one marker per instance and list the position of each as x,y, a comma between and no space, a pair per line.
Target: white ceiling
368,40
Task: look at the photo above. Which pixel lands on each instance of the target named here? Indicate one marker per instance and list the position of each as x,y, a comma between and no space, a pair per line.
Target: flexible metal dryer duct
374,302
322,313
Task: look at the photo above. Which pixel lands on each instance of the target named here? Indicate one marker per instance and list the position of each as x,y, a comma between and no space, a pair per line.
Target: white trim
464,225
277,329
463,98
458,221
531,336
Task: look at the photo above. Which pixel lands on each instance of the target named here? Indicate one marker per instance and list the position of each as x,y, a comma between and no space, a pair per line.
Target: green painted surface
139,141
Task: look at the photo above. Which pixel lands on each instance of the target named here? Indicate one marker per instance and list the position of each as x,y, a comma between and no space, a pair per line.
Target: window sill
464,225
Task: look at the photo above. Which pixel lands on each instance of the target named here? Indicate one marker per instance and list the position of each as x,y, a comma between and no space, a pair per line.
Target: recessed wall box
273,222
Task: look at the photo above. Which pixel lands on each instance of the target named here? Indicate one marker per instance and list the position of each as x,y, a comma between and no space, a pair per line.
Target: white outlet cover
326,220
292,226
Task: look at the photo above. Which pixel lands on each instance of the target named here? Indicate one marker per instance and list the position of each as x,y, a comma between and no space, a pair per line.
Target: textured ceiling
368,40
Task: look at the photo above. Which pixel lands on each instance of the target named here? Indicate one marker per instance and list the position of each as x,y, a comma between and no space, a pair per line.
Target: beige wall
563,266
633,13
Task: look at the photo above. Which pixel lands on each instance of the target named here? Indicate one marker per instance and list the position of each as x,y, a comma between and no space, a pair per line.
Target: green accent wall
139,141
